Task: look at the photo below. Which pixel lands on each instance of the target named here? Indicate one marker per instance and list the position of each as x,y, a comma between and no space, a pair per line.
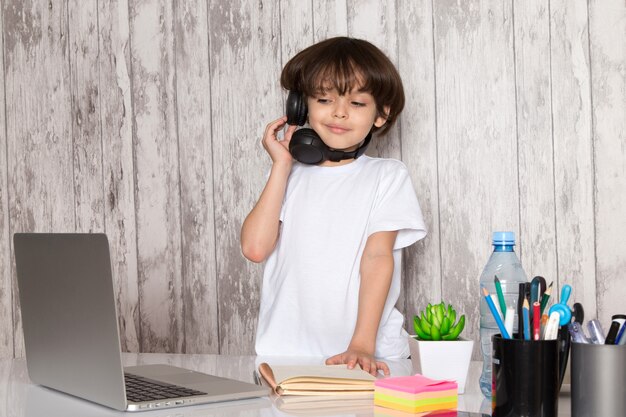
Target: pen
544,324
545,298
526,320
612,334
578,313
577,333
620,318
596,334
520,315
496,316
564,342
536,321
621,336
552,328
500,297
617,324
537,287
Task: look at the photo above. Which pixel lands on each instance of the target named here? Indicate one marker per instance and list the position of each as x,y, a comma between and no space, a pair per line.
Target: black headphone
306,146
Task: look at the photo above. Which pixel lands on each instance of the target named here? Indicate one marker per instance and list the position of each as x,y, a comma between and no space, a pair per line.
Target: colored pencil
500,297
494,312
546,297
525,312
536,321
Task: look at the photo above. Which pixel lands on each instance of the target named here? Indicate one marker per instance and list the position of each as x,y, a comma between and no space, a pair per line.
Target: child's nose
340,110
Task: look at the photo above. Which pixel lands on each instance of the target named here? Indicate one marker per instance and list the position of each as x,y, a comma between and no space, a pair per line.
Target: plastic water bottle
504,264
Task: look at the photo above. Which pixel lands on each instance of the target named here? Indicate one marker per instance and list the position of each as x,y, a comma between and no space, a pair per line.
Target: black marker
617,322
610,337
520,315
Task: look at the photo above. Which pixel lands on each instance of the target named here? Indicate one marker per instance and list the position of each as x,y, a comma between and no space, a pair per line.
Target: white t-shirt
310,291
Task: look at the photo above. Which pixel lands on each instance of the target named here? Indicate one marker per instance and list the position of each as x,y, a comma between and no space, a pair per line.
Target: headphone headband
339,155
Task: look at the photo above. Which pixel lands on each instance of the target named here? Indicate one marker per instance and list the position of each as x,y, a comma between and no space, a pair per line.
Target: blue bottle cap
503,238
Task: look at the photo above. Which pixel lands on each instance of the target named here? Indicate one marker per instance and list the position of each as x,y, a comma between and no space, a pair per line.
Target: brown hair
345,63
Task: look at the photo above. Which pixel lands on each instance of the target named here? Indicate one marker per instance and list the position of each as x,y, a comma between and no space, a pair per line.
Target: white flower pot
448,360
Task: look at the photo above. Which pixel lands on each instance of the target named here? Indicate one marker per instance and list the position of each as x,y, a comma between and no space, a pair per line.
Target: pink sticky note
415,384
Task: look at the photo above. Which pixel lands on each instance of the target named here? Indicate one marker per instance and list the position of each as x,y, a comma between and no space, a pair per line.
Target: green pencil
545,297
500,296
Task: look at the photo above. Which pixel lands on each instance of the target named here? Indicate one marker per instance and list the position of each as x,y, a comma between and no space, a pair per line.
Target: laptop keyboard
139,389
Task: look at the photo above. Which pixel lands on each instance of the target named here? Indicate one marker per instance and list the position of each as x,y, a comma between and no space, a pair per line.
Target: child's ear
381,120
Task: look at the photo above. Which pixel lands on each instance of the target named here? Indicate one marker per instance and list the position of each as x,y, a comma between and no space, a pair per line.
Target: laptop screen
69,315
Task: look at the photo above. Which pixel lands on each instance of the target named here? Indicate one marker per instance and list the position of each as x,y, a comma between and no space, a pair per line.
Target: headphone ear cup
296,109
307,147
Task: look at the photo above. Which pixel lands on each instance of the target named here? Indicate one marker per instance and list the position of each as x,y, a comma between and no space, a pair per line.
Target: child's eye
358,104
323,100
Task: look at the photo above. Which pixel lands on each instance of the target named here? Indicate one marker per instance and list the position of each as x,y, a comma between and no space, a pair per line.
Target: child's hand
278,149
367,361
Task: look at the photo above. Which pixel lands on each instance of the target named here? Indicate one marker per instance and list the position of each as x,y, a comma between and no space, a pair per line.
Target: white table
19,397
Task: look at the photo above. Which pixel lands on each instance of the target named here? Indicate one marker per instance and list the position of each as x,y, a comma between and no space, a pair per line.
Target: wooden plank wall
142,119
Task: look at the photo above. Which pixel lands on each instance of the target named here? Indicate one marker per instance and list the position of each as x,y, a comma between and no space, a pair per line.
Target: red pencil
536,320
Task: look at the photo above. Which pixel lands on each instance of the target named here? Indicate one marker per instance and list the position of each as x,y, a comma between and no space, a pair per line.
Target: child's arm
376,272
259,232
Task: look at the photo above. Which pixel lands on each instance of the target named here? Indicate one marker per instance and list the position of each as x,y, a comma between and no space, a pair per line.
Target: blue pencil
525,312
495,314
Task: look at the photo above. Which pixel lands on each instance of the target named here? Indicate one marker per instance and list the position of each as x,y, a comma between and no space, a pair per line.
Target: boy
332,233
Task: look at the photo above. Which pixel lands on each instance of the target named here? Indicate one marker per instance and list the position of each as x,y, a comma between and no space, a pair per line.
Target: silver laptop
71,333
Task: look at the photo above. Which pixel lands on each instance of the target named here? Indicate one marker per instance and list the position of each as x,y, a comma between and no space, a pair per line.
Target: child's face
343,121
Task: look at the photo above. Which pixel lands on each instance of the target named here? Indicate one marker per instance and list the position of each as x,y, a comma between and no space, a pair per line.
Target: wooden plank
249,51
607,26
330,18
117,164
157,194
375,21
6,305
475,104
417,126
537,240
38,124
193,99
573,150
86,132
296,27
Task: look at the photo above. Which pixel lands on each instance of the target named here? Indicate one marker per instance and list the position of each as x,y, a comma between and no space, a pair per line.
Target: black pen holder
598,380
525,376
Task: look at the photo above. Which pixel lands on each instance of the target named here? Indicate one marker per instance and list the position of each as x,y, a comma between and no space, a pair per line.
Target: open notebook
318,380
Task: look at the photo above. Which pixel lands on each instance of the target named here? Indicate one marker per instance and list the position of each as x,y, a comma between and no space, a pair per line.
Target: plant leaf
445,326
439,313
452,315
418,330
435,334
457,328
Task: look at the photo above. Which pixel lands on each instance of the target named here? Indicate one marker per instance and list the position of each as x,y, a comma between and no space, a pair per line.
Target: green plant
438,323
